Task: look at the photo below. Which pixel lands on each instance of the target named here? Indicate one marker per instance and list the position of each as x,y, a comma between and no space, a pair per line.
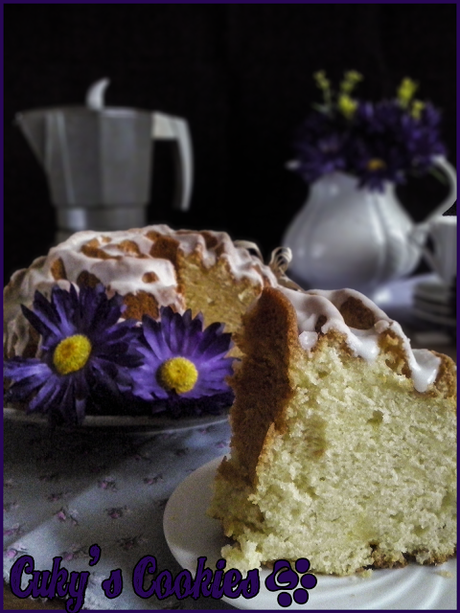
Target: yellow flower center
375,164
178,374
71,354
406,91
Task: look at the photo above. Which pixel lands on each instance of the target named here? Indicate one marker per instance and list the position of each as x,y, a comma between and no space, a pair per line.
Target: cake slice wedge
343,443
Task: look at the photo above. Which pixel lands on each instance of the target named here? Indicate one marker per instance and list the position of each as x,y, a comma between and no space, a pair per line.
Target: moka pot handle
167,127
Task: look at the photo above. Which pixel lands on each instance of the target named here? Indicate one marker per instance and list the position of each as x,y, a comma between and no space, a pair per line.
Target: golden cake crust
267,361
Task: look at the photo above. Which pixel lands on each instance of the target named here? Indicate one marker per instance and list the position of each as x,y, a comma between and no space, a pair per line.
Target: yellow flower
417,108
346,105
71,354
321,81
324,85
406,91
350,79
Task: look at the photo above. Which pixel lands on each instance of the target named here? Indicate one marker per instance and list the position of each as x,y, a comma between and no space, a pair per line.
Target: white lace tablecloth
65,492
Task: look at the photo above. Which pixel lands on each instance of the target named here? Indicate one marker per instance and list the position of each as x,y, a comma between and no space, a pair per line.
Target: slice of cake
150,267
344,439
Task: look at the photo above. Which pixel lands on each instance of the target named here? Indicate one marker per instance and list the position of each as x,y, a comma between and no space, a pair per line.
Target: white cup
443,256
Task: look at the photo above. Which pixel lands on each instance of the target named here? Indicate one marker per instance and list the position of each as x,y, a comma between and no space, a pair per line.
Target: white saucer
437,308
125,422
433,291
434,318
191,534
432,302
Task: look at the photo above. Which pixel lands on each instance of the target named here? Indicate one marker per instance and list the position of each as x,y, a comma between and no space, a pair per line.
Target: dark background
242,77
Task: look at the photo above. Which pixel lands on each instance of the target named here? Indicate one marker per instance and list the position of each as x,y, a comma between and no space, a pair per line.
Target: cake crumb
366,574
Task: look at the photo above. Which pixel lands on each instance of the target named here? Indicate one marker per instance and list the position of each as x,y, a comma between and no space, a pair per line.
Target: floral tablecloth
64,492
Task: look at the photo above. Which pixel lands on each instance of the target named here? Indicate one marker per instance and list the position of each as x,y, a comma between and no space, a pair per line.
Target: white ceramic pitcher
346,236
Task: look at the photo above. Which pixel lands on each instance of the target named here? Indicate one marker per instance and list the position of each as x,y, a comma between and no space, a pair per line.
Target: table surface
109,487
63,493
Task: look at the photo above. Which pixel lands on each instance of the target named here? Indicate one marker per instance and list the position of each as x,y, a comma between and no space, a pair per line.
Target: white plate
191,534
126,422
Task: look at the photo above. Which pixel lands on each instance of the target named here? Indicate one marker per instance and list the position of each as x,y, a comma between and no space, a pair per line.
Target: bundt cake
150,267
343,445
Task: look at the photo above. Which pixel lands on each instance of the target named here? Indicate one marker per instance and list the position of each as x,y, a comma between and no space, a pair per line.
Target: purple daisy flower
375,167
388,143
377,154
85,355
185,367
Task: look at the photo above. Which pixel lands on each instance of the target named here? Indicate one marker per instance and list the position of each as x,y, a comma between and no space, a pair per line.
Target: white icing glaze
364,343
310,305
124,273
308,340
424,368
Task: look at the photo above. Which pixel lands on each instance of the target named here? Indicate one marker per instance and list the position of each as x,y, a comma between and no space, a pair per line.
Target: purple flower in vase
389,141
320,145
377,153
185,366
376,142
375,164
422,138
85,354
